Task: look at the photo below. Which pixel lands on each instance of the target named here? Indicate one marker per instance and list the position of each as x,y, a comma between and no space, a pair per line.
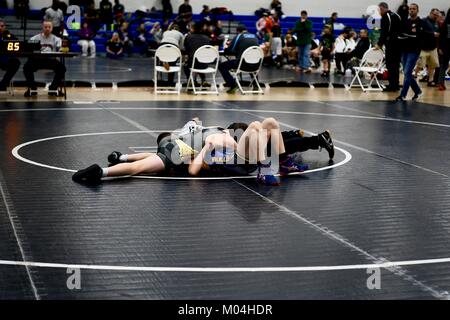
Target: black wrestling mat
375,225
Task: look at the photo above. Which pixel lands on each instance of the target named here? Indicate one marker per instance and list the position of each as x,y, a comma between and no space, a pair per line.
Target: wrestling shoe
90,175
114,158
326,142
289,166
267,176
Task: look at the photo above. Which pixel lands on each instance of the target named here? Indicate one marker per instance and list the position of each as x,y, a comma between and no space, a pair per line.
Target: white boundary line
15,153
337,115
382,265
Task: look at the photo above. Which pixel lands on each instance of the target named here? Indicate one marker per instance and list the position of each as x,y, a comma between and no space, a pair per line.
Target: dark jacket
444,37
412,36
429,40
391,26
240,43
304,32
192,42
361,47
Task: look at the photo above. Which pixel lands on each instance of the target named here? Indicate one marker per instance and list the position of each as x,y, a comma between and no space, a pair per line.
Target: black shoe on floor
90,175
400,99
326,142
55,93
114,158
30,93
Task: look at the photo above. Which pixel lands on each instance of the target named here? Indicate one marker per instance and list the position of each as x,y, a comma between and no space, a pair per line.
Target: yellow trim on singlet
185,151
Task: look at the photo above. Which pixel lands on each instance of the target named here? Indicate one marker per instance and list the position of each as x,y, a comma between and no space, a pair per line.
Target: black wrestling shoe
90,175
326,142
114,158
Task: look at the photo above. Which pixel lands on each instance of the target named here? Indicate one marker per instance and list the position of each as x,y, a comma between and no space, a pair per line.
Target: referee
391,25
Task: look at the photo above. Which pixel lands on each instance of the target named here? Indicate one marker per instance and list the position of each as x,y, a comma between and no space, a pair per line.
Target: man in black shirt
106,14
237,47
192,42
390,29
410,40
9,64
118,11
184,15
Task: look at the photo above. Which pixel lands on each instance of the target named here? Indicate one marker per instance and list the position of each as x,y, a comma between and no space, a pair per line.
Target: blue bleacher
248,20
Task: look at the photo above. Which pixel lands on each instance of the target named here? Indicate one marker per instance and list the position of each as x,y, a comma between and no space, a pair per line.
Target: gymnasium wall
317,8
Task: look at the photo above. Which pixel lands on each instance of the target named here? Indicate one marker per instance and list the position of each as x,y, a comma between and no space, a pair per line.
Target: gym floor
384,202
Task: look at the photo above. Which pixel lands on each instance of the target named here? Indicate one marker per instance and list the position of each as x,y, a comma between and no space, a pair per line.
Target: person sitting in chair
49,43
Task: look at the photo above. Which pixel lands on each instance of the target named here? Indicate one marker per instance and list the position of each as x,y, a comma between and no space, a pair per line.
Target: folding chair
168,53
206,55
252,55
10,89
372,63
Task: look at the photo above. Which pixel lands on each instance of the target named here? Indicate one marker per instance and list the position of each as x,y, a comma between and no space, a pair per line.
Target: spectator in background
86,41
194,40
410,40
331,21
156,35
362,45
106,14
142,38
167,9
91,16
125,38
326,49
174,37
390,29
403,11
303,28
118,11
440,23
21,8
261,25
429,55
216,34
276,5
9,64
56,16
276,45
341,50
63,7
315,50
444,47
49,43
290,49
236,47
114,47
184,16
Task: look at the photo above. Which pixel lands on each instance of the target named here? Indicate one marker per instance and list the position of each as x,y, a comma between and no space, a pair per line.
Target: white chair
372,63
207,55
168,53
253,55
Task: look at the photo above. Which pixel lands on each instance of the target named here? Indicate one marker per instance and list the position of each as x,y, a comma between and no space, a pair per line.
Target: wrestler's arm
197,164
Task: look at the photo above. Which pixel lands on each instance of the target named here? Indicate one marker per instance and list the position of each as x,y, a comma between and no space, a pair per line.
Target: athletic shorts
174,153
238,169
428,58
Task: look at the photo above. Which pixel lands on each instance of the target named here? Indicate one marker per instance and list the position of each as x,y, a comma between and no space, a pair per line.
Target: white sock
123,158
104,172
